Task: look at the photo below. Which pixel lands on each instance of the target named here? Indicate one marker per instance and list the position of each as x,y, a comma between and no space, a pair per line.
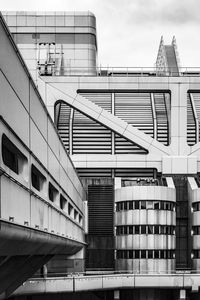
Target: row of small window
142,204
145,229
145,254
196,206
14,159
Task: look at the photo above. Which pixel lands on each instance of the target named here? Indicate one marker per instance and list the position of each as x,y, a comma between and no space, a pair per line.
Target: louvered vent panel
191,128
89,136
132,173
101,99
63,124
196,97
135,109
162,121
94,173
122,146
100,210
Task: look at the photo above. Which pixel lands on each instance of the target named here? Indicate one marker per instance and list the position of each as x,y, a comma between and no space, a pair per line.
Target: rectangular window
143,253
125,229
143,204
136,204
143,229
137,229
130,205
156,205
156,254
70,208
156,229
130,253
125,205
52,192
37,178
137,254
130,229
63,202
150,229
12,157
150,254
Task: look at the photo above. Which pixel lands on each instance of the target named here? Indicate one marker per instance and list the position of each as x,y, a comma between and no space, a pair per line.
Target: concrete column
179,119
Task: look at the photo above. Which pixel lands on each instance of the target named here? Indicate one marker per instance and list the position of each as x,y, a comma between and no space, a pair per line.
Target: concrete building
133,137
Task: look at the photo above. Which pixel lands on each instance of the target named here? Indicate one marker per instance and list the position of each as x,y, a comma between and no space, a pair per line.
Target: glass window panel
136,204
137,254
156,229
156,254
143,229
130,254
130,229
143,204
150,229
130,204
150,253
156,205
137,229
143,253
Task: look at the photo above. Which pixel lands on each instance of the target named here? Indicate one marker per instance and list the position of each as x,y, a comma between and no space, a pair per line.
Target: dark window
12,156
150,229
137,254
162,205
156,254
80,218
63,202
75,214
143,204
37,178
70,207
143,253
150,254
137,229
130,229
143,229
125,230
156,229
52,192
125,205
130,254
130,204
162,229
162,254
156,205
136,204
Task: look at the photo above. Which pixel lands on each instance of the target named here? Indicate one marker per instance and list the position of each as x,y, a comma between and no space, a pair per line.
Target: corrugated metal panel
63,124
101,210
161,116
122,146
191,127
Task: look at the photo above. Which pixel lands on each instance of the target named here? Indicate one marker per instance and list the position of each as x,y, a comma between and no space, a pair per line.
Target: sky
129,31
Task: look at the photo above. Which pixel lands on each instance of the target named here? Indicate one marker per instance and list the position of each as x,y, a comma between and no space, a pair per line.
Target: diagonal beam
110,121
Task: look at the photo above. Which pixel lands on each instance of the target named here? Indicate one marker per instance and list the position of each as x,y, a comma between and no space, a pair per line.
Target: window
75,214
137,229
130,204
63,202
136,204
162,205
150,229
70,208
13,158
52,192
143,229
125,206
143,204
150,254
156,229
156,254
37,178
130,254
156,205
137,254
130,229
143,253
125,229
80,219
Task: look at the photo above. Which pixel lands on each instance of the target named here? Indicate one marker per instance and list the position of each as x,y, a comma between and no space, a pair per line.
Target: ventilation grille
124,173
63,124
89,136
100,210
135,109
101,99
162,120
191,127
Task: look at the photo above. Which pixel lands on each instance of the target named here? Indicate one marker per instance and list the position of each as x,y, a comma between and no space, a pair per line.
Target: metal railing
53,70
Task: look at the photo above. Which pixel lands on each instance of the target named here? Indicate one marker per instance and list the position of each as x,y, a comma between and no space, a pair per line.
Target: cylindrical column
145,222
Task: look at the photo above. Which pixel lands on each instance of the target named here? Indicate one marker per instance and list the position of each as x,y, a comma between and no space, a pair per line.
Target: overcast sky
129,31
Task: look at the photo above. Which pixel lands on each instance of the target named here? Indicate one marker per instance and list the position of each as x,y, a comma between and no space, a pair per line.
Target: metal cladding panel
100,210
101,99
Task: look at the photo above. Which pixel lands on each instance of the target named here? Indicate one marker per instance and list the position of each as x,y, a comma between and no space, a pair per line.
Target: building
134,140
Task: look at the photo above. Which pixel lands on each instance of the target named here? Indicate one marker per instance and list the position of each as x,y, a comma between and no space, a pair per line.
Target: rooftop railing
53,70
